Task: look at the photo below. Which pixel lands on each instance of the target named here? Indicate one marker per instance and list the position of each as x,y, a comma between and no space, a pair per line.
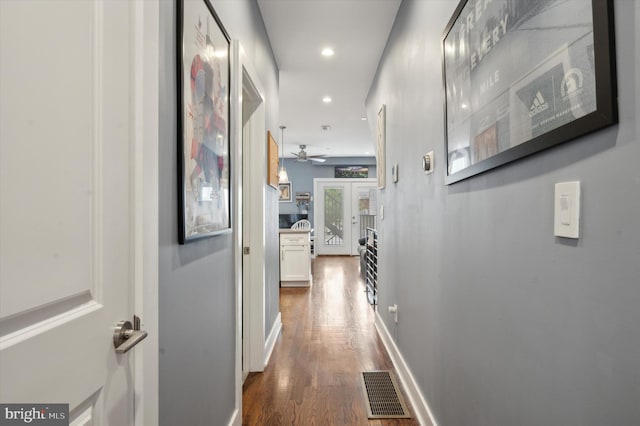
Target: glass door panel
334,216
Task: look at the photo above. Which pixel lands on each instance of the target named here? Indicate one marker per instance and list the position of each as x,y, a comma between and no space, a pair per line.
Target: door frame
145,79
248,205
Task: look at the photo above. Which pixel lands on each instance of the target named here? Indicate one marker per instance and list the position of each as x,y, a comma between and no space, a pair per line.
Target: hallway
328,337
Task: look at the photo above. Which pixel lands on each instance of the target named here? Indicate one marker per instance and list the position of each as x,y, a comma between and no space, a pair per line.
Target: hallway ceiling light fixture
283,177
327,51
326,99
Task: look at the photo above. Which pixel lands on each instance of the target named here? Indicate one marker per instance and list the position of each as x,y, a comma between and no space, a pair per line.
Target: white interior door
66,205
252,228
337,208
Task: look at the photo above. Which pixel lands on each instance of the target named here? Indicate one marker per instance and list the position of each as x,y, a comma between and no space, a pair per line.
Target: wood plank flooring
328,338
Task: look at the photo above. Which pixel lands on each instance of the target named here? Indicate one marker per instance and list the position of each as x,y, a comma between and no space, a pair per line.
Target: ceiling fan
303,156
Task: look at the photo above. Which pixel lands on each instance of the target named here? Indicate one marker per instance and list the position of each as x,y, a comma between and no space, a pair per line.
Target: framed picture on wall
204,180
381,146
272,161
521,76
351,172
285,192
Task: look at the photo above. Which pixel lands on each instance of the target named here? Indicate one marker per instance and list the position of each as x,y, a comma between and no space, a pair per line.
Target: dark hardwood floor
328,338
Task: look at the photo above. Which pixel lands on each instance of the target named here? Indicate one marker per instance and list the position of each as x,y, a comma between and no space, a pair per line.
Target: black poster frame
204,211
605,113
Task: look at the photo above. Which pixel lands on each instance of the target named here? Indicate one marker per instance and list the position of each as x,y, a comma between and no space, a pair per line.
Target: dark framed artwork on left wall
204,172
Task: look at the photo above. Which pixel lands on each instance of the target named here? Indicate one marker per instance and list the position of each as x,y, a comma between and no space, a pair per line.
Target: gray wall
196,289
501,322
301,175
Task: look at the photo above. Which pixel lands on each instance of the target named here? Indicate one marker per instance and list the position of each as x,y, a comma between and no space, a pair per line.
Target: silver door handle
126,337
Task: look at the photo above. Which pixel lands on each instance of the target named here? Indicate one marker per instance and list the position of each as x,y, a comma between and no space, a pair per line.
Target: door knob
126,336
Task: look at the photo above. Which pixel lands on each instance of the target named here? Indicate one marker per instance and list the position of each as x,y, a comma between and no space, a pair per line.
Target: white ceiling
357,30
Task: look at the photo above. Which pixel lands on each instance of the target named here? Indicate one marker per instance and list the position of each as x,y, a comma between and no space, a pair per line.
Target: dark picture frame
522,76
204,161
351,172
285,192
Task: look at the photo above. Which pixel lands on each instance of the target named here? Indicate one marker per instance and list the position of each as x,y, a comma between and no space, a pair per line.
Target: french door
343,209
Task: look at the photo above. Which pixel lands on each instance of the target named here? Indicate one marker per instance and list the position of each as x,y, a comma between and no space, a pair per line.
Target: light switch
427,162
567,210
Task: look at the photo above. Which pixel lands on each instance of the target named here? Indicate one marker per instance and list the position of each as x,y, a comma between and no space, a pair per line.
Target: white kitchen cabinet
295,258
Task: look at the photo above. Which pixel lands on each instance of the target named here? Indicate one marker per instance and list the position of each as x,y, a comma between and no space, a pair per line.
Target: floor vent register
383,397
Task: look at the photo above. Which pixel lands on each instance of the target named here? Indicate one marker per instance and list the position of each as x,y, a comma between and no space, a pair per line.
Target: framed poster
381,146
285,192
204,184
521,76
272,161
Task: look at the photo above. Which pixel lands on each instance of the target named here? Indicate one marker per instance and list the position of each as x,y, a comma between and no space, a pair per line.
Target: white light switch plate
394,173
427,162
567,210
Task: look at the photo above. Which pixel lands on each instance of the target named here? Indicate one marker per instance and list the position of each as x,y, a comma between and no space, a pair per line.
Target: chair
303,225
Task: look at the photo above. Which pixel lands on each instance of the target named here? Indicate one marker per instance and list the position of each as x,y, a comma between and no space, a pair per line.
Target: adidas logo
539,105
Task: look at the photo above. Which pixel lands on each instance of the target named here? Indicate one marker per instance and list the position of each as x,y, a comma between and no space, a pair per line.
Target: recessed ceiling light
326,99
327,51
364,119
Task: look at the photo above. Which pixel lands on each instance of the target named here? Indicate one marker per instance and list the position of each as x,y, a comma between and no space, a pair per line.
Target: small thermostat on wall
427,162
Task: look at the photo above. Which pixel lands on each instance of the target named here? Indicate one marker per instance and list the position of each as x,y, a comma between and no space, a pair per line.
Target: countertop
293,231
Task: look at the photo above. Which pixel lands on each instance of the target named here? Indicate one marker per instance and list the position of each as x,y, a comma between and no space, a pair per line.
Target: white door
337,214
252,211
66,205
363,211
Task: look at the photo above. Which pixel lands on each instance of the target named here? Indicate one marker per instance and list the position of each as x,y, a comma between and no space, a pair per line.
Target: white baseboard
236,419
418,402
270,342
